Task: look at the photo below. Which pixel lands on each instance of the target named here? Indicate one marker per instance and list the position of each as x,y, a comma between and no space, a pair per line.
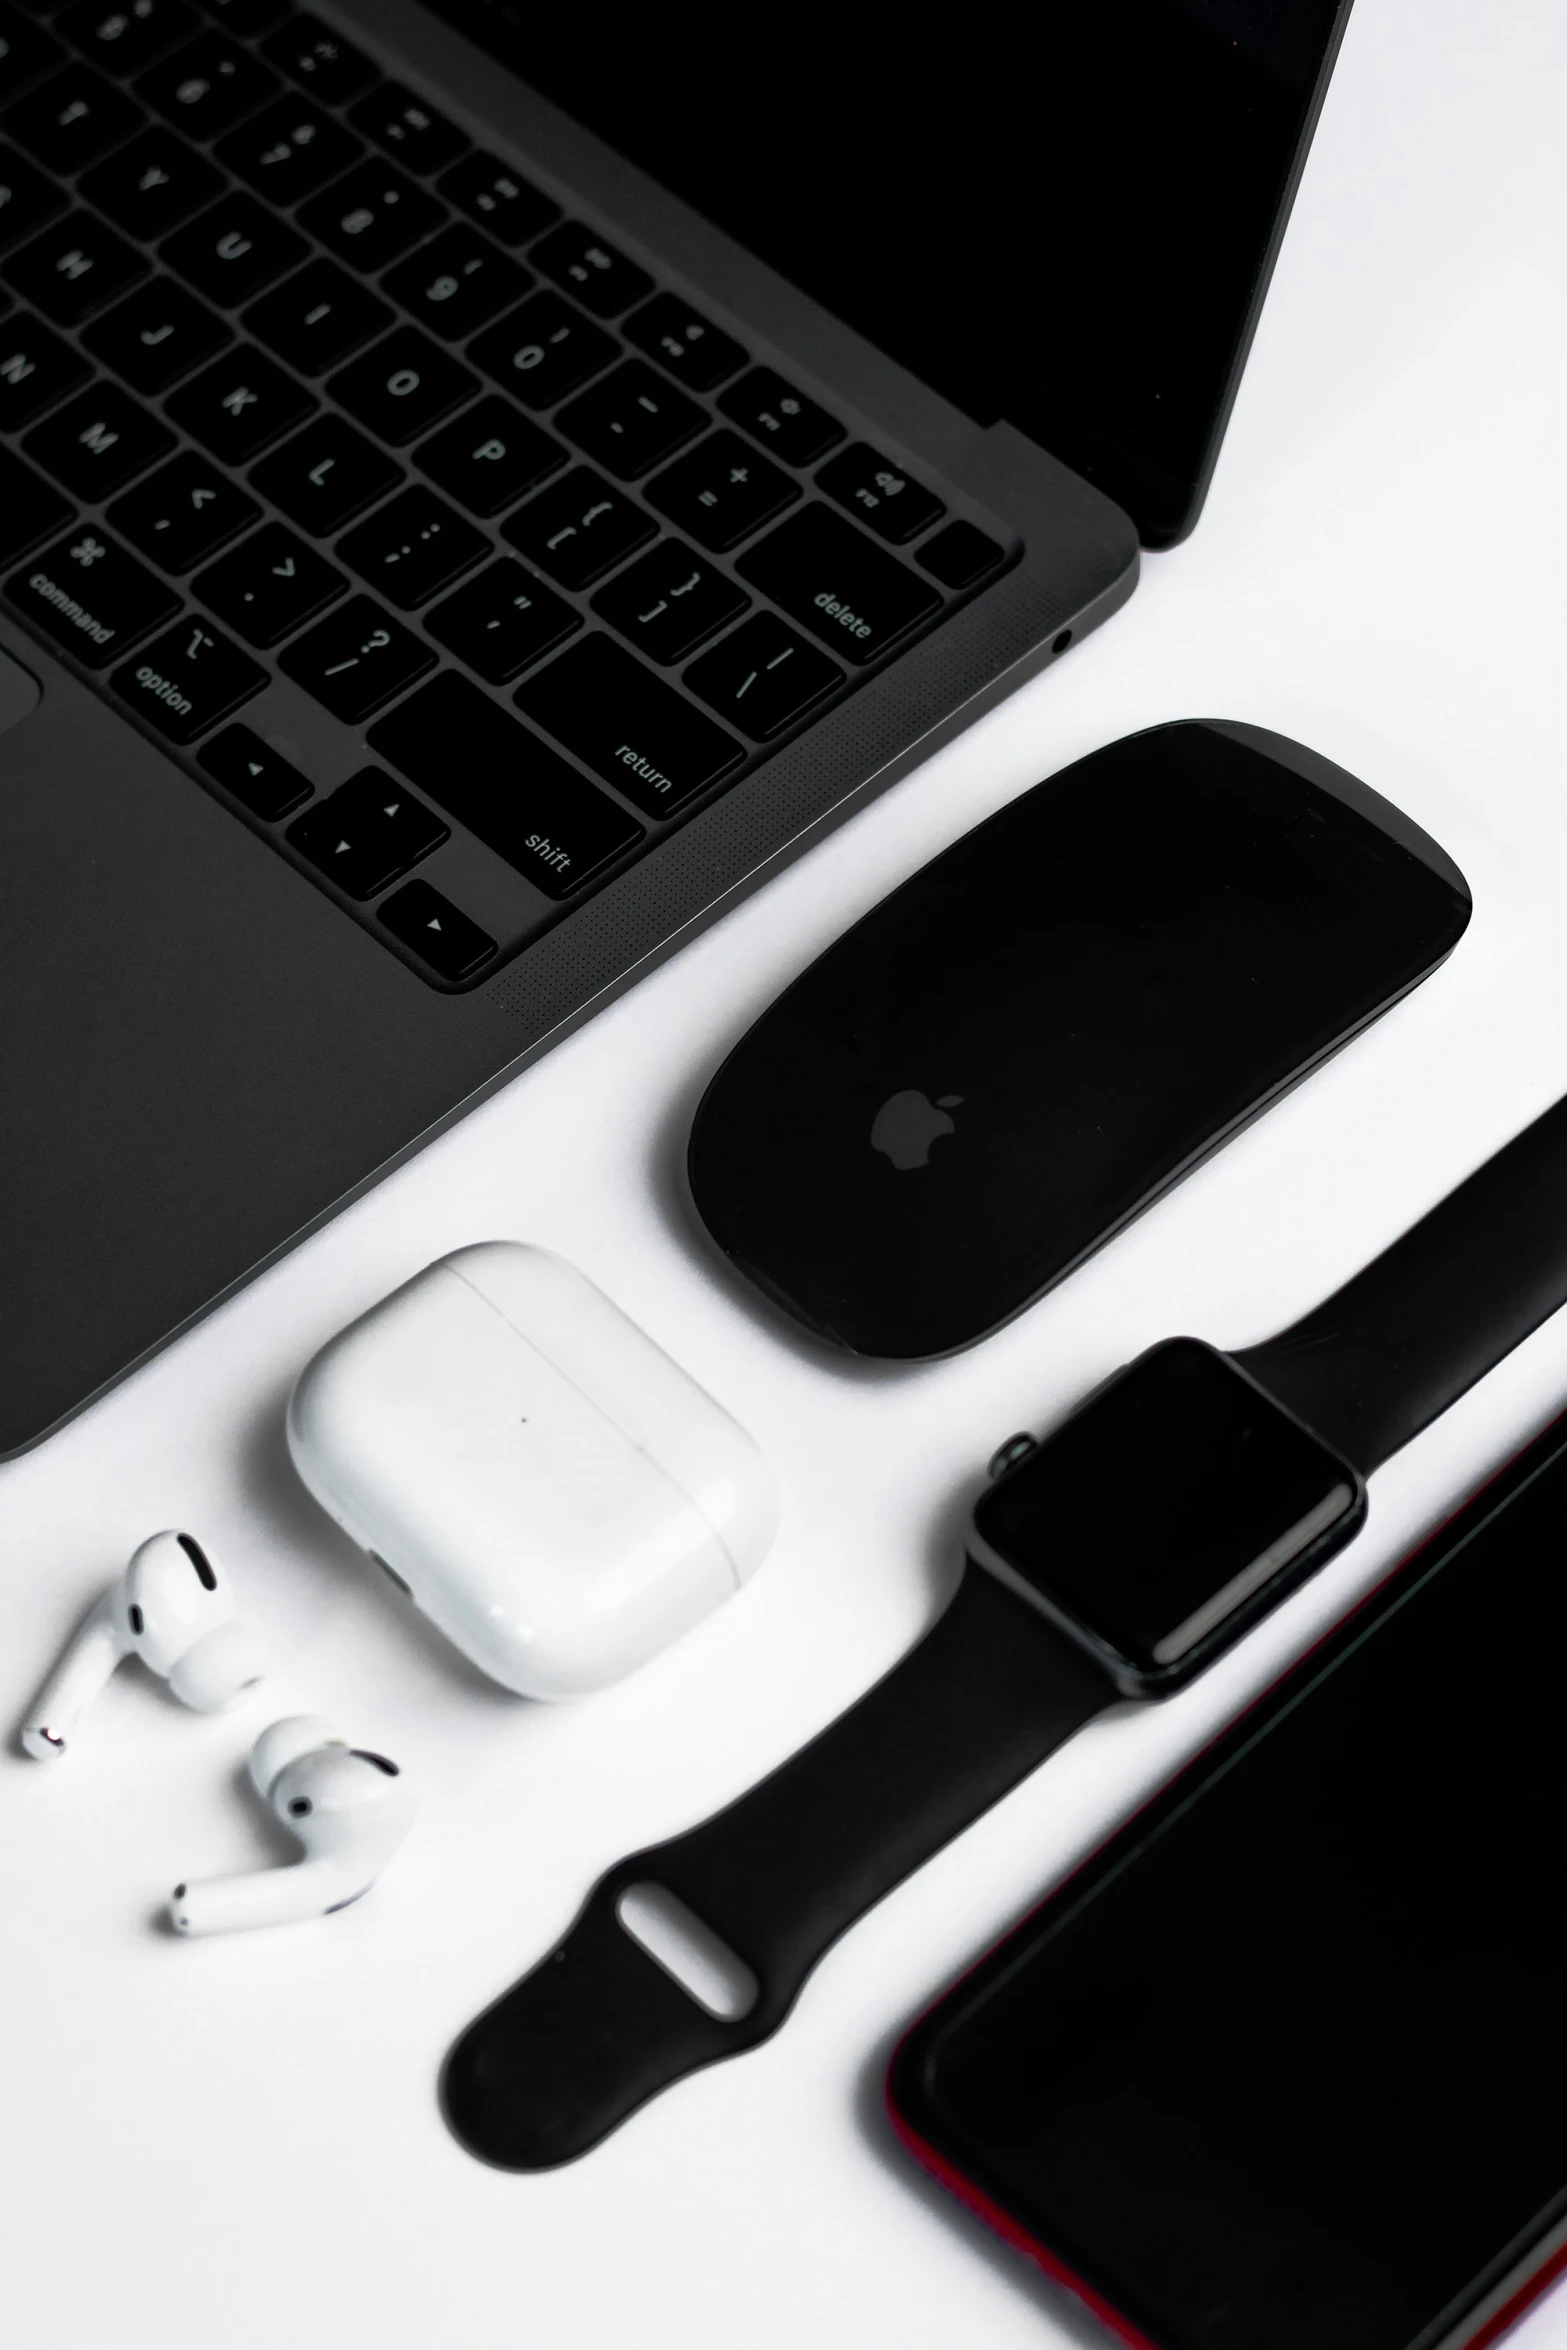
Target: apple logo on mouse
909,1123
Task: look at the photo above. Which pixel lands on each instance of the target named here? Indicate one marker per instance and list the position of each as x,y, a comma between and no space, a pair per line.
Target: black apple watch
1118,1557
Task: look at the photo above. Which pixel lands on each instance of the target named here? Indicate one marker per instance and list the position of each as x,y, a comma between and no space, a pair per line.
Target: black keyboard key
156,335
152,185
36,369
603,280
74,268
98,442
722,491
763,677
239,404
372,215
326,475
456,282
636,731
317,317
781,418
490,457
269,585
409,129
631,421
880,494
357,659
121,35
30,509
543,351
289,150
207,85
437,932
72,119
318,58
234,250
90,596
259,777
831,579
697,353
578,529
498,198
513,791
245,19
184,512
188,679
366,833
959,555
669,602
402,386
412,548
501,621
26,52
27,198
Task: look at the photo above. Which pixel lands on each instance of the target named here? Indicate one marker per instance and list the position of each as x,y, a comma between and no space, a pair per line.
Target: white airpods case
554,1492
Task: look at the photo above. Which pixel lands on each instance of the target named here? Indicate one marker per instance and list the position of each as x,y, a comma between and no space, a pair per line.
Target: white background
237,2142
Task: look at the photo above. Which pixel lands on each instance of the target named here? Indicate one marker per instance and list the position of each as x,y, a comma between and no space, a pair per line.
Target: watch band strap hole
605,2020
689,1951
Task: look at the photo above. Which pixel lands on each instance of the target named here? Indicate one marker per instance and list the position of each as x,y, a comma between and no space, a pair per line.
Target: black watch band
1387,1353
599,2026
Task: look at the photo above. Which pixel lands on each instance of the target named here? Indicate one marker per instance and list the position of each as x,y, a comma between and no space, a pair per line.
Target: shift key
499,780
831,579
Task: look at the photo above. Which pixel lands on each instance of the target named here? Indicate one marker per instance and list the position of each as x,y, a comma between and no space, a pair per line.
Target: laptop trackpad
19,692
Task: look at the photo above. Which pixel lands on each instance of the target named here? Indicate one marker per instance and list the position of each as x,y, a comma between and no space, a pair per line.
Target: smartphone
1283,2065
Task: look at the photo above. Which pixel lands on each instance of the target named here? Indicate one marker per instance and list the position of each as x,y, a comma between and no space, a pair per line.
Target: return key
634,730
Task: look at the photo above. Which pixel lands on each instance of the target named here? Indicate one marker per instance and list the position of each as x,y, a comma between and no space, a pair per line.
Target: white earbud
173,1608
350,1810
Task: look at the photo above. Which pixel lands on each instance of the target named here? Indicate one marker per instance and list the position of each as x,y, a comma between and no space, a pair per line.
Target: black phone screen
1285,2066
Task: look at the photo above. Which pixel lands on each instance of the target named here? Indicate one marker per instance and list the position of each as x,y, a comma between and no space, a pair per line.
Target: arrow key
259,777
438,934
366,833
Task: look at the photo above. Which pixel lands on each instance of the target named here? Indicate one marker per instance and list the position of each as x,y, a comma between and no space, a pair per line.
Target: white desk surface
236,2143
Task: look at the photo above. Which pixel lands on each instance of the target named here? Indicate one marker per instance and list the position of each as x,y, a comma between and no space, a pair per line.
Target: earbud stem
266,1897
76,1680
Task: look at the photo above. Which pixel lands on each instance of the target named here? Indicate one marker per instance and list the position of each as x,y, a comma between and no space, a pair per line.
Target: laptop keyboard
296,383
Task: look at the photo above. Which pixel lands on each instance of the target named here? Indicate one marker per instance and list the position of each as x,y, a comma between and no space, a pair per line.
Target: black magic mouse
1053,1022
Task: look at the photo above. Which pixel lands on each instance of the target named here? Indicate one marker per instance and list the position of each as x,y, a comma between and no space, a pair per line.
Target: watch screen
1284,2066
1156,1513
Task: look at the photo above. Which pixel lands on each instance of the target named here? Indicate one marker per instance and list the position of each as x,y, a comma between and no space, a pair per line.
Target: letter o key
402,381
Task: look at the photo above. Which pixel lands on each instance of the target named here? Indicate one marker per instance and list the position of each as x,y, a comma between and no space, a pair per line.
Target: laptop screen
1065,219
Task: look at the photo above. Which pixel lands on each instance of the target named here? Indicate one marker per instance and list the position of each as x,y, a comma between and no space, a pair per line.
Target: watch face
1168,1513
